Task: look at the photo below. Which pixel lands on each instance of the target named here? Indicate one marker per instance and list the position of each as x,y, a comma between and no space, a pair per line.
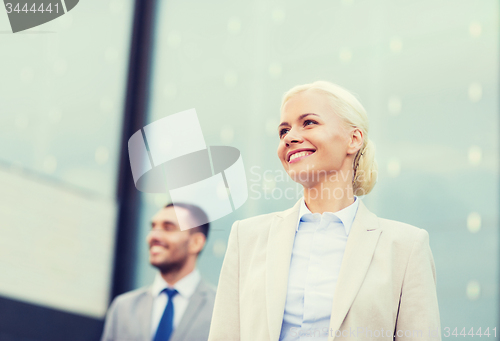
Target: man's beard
171,267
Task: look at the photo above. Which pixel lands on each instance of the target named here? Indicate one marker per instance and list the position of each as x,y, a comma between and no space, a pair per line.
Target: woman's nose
293,137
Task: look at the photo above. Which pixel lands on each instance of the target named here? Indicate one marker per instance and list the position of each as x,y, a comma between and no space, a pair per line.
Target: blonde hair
348,108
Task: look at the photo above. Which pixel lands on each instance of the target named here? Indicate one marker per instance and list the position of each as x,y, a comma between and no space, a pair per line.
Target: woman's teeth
296,155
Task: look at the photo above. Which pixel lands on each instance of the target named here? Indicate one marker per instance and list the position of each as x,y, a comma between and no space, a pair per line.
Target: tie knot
170,292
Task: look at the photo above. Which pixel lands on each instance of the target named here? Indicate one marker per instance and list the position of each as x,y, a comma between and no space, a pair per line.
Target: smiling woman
327,267
308,120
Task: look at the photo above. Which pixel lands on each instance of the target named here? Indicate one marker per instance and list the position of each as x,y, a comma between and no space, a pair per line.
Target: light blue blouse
318,249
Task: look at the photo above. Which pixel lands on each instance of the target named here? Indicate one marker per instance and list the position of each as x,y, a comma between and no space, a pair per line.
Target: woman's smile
297,156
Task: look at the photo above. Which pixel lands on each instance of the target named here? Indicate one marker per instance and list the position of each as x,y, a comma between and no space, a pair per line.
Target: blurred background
72,91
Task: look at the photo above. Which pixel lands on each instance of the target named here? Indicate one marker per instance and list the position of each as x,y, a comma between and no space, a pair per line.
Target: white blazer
386,286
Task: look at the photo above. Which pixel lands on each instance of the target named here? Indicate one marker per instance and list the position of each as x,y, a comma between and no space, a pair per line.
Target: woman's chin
301,175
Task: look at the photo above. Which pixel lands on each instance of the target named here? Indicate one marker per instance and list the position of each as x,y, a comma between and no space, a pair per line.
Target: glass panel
62,95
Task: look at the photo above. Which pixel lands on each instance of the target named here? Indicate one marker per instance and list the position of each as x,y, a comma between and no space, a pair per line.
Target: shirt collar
186,286
346,215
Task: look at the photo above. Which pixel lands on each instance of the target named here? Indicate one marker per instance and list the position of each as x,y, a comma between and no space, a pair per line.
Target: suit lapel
195,305
358,254
279,252
145,313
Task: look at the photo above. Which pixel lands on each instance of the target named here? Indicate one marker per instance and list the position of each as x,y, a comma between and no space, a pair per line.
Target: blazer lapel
145,312
358,254
279,252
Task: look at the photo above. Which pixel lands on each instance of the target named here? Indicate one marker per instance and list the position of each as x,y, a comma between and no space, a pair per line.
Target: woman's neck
329,196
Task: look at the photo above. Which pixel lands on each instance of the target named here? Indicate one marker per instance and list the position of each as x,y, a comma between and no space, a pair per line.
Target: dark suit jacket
129,316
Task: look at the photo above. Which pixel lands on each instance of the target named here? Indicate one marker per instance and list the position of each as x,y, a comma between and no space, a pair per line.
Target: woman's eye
306,122
283,132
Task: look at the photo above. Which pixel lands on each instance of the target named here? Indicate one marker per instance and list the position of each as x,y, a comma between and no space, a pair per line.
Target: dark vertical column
136,108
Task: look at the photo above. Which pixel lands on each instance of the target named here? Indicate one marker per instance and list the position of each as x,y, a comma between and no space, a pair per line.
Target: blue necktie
165,326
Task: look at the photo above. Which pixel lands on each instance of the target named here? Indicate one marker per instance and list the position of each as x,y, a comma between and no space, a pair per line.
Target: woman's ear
355,141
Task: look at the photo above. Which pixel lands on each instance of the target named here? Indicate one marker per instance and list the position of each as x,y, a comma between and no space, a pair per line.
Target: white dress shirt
185,287
317,253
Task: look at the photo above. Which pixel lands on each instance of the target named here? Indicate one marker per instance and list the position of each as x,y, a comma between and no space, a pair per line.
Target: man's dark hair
198,216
